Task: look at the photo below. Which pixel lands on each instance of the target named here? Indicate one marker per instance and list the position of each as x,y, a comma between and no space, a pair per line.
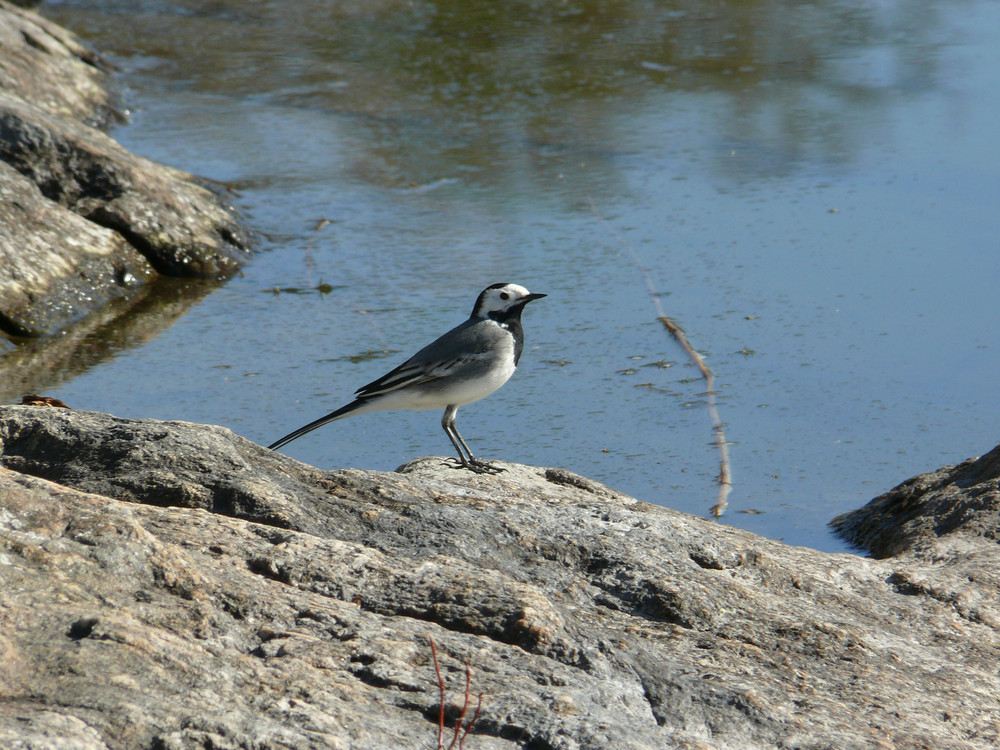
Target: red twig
434,653
460,735
475,718
465,706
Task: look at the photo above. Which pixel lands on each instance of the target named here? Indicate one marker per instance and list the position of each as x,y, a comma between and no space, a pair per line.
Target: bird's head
502,301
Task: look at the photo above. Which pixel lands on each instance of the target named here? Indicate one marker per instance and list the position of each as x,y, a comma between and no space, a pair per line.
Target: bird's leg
460,460
476,464
465,457
447,422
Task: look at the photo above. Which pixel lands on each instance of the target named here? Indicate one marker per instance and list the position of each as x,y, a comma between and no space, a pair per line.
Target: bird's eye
504,295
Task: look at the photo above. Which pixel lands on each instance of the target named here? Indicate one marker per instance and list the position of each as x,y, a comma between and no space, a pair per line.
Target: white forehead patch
516,290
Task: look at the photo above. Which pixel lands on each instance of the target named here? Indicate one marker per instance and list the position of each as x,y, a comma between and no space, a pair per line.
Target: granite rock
922,512
172,585
53,260
83,221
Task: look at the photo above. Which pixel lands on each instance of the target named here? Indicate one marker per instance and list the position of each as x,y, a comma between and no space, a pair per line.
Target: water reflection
439,90
38,365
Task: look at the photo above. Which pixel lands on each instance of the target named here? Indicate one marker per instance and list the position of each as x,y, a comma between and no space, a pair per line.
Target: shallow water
810,191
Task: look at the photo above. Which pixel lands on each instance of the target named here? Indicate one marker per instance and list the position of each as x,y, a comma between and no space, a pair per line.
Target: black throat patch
510,320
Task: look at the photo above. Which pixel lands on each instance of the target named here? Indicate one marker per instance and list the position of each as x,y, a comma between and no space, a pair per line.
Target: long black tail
343,411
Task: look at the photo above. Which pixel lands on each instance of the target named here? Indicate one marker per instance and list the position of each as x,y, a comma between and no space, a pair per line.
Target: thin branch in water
724,479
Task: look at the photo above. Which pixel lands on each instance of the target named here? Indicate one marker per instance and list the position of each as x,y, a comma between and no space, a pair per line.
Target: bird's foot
484,467
475,465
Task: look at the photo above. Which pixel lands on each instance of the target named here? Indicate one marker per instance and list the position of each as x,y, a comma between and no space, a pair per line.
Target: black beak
530,297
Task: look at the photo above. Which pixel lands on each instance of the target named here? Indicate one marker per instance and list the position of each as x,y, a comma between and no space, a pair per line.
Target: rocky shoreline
172,585
83,222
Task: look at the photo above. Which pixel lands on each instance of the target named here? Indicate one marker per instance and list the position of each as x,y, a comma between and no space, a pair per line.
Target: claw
475,465
483,467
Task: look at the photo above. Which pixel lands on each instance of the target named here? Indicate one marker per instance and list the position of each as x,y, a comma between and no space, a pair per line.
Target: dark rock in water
179,226
53,261
97,220
963,500
172,585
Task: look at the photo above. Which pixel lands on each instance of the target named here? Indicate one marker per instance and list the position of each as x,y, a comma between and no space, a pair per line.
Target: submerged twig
718,428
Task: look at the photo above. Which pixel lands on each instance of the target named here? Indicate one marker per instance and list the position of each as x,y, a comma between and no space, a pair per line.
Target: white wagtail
464,365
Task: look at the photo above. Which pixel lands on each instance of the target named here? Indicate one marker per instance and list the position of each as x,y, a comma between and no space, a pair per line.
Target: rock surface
929,510
172,585
47,65
82,220
53,260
